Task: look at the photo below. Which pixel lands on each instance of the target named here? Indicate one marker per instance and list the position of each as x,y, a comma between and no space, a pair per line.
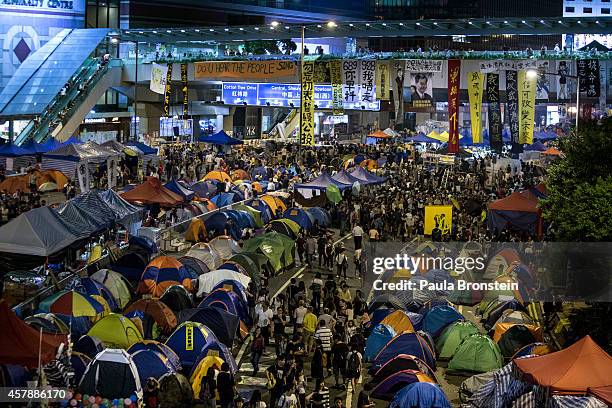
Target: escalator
286,129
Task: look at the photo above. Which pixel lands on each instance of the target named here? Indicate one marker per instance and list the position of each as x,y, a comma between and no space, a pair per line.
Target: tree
579,185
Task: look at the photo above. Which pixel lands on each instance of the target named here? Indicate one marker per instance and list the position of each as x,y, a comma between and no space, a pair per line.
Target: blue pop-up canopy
11,150
220,138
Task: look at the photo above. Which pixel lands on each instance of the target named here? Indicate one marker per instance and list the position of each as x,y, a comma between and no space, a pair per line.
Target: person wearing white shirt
357,236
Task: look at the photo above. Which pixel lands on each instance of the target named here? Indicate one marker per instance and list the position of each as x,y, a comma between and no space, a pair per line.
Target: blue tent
263,208
220,349
376,317
11,150
300,216
229,301
158,347
241,218
219,222
73,140
421,395
205,189
439,276
220,138
188,340
439,317
51,144
177,188
225,199
235,286
142,147
34,148
345,177
378,338
365,177
93,287
320,215
537,146
421,138
224,324
321,183
259,171
406,343
150,363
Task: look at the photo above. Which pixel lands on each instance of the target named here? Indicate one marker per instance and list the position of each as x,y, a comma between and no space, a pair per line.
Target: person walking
208,389
257,348
324,335
339,351
353,368
226,387
309,328
357,235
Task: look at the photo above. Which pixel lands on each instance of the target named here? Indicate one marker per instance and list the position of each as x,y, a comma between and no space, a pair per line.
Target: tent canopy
152,192
11,150
126,213
112,374
220,138
321,183
365,177
142,147
572,370
177,188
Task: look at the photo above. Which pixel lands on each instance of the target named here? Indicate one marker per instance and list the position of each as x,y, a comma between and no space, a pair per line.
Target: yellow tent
116,331
196,231
399,321
274,203
218,175
200,371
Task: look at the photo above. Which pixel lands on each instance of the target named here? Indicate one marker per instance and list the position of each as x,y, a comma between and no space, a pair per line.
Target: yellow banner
189,337
440,216
335,70
245,70
475,91
526,101
307,108
382,80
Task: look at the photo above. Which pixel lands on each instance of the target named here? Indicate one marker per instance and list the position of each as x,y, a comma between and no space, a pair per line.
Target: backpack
354,365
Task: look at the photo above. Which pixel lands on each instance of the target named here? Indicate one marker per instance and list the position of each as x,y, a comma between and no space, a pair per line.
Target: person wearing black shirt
226,386
296,349
276,380
339,352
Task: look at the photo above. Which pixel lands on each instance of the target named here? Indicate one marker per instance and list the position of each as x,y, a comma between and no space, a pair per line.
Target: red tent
19,342
152,192
603,393
569,371
519,210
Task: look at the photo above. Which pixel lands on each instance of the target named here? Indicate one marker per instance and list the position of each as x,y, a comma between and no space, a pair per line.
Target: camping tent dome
422,395
439,317
380,336
150,363
188,340
116,331
161,273
478,354
111,374
407,343
451,338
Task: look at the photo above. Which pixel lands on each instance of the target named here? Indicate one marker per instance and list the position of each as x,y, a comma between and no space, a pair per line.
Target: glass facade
102,14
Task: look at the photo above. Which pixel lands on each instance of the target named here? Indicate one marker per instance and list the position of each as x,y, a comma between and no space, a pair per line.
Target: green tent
477,354
278,248
254,213
250,265
333,193
116,331
451,338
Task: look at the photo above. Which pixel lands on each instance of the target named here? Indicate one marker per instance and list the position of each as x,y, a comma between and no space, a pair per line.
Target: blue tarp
73,140
321,183
220,138
142,147
420,395
11,150
378,338
177,188
439,317
51,144
34,148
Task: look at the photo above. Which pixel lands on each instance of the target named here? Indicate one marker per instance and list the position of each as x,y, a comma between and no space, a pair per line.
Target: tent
20,343
175,390
345,177
381,335
225,246
48,322
188,340
240,174
80,221
389,386
111,374
422,395
278,248
321,183
537,147
399,363
221,222
116,284
161,273
234,286
116,331
399,321
196,231
320,215
93,287
255,214
194,266
477,353
572,370
226,199
176,298
263,207
275,203
71,303
421,138
253,263
88,345
517,211
201,370
130,266
300,216
204,189
217,175
208,281
385,300
216,348
206,254
228,301
12,150
125,212
163,316
439,317
149,364
284,226
535,349
224,324
38,232
152,192
220,138
452,337
177,188
365,177
406,343
602,393
160,348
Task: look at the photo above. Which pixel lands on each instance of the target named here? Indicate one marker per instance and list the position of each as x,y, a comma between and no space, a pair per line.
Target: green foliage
260,47
579,185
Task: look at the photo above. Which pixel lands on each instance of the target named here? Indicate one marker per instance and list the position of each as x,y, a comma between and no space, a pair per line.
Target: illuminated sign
283,95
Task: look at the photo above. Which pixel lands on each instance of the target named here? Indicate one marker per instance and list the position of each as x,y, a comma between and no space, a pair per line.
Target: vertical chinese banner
382,80
495,122
513,109
350,81
526,94
454,75
368,79
185,90
168,91
335,69
475,90
307,109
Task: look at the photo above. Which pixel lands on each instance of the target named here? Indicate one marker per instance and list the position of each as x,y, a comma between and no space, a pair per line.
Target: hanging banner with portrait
158,78
527,94
335,69
382,80
563,91
438,216
168,91
454,76
475,90
307,108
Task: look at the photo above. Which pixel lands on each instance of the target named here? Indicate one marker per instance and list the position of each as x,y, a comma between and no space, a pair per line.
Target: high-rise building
587,8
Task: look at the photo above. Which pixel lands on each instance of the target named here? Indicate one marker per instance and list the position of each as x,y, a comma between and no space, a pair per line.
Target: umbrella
333,193
48,186
71,303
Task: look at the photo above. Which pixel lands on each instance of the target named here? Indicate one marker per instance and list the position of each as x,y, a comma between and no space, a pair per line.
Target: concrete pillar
219,123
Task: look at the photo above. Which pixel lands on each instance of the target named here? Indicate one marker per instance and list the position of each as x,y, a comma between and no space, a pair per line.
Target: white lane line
349,392
342,239
284,286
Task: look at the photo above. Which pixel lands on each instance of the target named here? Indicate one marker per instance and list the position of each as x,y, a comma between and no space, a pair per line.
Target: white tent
207,281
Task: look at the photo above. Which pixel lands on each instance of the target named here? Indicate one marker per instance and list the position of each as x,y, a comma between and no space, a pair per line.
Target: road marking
349,392
284,286
342,239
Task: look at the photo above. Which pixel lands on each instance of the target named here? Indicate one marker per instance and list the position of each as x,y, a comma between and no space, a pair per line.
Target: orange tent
369,164
163,316
399,321
195,231
20,343
551,151
379,134
218,175
240,175
152,192
53,176
501,328
13,183
274,203
603,393
569,371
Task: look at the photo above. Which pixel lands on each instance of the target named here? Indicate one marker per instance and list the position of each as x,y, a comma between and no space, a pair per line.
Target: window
605,11
587,10
569,9
605,1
